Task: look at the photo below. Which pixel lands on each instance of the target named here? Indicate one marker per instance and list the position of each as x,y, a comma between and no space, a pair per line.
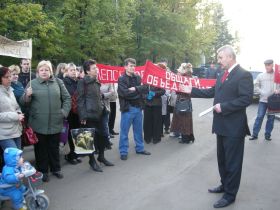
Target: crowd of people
43,100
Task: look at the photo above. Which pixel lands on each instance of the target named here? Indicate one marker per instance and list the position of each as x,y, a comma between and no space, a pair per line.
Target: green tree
27,20
111,30
166,28
220,26
96,29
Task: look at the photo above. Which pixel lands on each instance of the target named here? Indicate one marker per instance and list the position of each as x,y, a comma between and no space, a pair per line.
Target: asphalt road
174,177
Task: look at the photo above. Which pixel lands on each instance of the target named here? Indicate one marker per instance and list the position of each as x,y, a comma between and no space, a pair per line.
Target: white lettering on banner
150,79
162,83
174,86
155,81
167,83
109,75
169,76
116,75
103,74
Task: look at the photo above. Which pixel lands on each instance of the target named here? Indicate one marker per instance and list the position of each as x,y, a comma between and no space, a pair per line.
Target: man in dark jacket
24,75
131,104
232,93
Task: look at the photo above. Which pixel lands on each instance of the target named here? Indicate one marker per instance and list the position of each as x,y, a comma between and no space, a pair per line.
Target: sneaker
180,137
268,138
253,138
172,134
123,157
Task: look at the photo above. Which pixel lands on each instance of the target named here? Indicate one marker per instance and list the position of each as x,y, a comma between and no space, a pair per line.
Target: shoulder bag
183,105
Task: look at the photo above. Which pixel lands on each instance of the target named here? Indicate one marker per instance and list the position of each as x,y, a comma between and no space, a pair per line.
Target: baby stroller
35,198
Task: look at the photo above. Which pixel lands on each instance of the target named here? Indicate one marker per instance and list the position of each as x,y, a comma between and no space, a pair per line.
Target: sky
258,25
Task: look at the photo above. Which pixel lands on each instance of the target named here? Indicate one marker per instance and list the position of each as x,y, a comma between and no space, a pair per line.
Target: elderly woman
182,122
49,102
91,111
10,113
70,80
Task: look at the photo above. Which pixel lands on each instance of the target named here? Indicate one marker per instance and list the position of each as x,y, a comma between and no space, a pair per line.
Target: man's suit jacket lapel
229,77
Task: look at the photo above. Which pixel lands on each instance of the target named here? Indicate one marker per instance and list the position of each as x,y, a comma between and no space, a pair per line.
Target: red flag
153,75
110,74
277,74
161,78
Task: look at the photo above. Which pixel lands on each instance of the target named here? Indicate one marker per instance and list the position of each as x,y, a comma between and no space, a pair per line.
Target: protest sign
161,78
17,49
111,74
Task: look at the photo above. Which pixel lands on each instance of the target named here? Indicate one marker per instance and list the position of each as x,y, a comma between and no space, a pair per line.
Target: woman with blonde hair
71,81
17,86
183,122
49,103
60,70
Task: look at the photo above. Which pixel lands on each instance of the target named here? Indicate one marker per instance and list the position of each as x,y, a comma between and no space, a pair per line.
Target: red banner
158,77
277,74
110,74
152,75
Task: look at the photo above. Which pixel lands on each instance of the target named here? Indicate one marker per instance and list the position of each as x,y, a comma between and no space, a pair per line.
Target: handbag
64,132
28,136
171,102
183,105
273,104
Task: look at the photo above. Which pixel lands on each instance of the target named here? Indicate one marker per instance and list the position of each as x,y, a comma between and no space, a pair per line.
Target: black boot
184,140
93,164
102,159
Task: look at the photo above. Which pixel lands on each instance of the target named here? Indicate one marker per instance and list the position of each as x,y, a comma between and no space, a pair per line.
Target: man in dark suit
232,93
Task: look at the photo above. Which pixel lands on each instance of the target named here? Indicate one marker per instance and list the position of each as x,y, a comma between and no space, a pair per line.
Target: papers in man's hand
206,111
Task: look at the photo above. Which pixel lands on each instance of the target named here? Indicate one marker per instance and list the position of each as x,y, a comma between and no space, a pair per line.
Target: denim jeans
134,117
258,122
14,142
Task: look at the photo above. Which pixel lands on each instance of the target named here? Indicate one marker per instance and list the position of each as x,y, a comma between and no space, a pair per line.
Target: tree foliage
111,30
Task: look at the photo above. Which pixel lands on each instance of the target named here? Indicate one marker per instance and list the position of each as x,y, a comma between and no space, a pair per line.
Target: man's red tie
225,76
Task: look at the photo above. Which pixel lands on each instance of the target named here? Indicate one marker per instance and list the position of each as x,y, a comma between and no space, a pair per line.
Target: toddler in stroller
11,182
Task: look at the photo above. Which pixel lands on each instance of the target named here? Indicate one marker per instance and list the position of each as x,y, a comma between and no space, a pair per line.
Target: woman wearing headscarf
183,122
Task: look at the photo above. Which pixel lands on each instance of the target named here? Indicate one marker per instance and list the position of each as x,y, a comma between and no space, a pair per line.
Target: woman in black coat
70,81
91,110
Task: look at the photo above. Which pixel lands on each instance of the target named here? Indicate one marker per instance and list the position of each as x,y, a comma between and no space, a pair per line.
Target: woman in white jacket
10,113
